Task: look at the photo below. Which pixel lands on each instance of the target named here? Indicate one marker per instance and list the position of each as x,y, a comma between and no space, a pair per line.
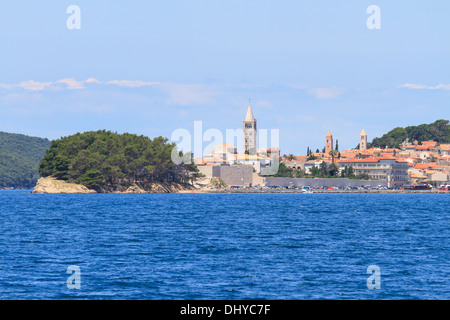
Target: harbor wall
315,183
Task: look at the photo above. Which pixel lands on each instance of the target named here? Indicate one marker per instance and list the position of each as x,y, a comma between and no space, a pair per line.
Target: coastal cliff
52,185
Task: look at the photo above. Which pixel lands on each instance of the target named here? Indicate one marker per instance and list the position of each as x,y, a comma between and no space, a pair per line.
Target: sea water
224,246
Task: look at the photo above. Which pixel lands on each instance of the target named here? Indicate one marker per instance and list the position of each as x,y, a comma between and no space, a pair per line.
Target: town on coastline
413,165
107,162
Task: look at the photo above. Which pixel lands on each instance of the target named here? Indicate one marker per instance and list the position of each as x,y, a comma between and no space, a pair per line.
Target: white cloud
72,83
425,87
132,83
5,86
92,80
32,85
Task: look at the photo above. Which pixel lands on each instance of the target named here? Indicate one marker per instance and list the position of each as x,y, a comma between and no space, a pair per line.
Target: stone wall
258,180
241,175
339,182
206,170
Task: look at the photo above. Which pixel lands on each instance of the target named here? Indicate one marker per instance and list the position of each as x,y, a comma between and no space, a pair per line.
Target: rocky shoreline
52,185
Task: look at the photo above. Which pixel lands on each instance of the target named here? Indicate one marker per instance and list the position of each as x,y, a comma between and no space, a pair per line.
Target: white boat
307,190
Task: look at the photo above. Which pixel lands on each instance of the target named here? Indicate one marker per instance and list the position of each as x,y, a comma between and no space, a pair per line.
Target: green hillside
19,159
438,131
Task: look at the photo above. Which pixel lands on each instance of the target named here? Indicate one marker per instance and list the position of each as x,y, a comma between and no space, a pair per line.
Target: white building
393,171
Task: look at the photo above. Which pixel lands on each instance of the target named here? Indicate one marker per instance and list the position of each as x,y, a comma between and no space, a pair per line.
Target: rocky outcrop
52,185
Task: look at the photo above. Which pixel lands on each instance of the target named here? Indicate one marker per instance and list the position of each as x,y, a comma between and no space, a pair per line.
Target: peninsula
107,162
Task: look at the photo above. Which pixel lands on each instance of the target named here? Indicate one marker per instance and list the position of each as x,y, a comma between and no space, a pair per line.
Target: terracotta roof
249,157
421,166
315,154
348,155
417,175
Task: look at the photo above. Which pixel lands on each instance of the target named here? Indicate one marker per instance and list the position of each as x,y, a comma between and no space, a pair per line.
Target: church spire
249,116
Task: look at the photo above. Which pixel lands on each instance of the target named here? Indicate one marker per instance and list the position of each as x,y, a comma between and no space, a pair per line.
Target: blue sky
151,67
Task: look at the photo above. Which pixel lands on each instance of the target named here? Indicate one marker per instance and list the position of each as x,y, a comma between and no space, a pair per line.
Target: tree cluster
349,172
325,171
105,159
438,131
322,171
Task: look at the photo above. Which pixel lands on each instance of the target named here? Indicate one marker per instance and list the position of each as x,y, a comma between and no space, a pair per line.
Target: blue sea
224,246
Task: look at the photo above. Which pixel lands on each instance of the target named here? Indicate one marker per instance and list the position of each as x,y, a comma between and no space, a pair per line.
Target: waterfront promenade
329,191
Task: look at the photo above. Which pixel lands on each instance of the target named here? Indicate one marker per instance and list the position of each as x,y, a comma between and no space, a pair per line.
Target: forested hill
438,131
107,161
19,159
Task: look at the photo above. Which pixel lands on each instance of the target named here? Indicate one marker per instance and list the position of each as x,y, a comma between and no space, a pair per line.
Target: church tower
249,131
328,142
363,141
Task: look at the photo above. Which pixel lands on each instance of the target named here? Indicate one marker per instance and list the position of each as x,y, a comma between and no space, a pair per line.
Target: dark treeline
105,159
19,159
438,131
321,171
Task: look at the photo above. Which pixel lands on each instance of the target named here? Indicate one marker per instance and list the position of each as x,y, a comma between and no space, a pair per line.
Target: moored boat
417,186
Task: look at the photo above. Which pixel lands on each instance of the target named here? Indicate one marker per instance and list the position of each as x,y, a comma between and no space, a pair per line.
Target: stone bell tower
328,142
363,141
249,125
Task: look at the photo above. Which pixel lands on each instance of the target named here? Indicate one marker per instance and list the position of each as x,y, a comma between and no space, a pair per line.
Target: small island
107,162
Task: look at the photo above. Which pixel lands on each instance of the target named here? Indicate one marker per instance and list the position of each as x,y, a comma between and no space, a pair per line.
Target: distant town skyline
151,68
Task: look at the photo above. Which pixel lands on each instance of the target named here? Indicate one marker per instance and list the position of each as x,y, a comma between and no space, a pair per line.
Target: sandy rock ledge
52,185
